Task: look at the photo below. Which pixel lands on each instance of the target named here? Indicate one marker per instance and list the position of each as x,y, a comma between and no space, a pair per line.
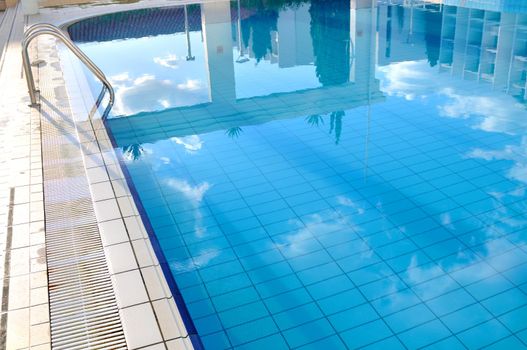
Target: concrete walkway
25,311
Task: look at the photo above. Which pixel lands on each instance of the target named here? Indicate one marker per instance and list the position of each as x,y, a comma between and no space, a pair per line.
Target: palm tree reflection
335,123
234,133
330,33
133,152
315,120
260,25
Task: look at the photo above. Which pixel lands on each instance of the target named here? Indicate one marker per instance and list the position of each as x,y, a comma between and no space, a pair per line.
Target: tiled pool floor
408,229
381,206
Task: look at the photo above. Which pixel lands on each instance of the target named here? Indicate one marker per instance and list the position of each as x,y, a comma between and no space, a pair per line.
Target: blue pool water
329,174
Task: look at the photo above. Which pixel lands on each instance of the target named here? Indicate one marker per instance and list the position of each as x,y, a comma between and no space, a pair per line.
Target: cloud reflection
409,79
191,143
195,195
415,79
199,261
148,93
516,154
500,112
169,61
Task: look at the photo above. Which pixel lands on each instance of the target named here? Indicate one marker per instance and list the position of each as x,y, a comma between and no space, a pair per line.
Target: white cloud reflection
195,195
190,85
457,98
299,241
191,143
169,61
500,112
409,79
148,93
196,262
347,202
516,154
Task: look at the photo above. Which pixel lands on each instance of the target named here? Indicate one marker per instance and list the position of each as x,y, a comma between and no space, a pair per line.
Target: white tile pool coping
148,313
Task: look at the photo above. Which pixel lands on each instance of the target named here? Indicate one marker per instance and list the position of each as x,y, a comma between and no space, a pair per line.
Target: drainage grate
83,309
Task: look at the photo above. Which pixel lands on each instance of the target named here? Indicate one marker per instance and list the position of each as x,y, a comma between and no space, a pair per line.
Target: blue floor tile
483,334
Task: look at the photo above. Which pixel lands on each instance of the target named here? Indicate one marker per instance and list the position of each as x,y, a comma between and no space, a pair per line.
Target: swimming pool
328,174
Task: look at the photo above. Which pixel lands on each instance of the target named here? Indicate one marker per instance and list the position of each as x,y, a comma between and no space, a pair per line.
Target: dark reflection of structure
387,51
469,42
487,46
187,32
257,20
136,24
272,4
259,27
241,52
299,32
330,32
433,22
335,37
335,124
400,18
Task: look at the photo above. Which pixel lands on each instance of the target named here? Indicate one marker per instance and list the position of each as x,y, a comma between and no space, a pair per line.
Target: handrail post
45,28
29,75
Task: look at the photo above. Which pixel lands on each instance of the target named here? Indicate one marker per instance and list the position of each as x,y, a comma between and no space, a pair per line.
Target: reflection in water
234,132
335,124
315,120
134,24
514,153
259,27
433,23
330,21
191,143
187,32
164,68
132,152
263,193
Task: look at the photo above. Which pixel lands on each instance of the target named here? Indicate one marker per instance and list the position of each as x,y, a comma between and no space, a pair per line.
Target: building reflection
332,41
321,56
259,33
330,21
486,46
479,42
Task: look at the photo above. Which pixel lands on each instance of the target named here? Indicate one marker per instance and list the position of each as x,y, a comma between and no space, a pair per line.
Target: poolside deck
25,310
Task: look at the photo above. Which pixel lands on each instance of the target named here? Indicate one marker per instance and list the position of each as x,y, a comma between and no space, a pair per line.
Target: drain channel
83,308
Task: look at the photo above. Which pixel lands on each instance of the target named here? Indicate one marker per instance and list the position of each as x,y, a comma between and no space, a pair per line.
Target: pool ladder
49,29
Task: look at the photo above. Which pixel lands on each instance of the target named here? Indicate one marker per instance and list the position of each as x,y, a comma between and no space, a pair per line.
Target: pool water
329,174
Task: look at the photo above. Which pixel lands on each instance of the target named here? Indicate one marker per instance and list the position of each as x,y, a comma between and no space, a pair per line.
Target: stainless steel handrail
49,29
38,26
